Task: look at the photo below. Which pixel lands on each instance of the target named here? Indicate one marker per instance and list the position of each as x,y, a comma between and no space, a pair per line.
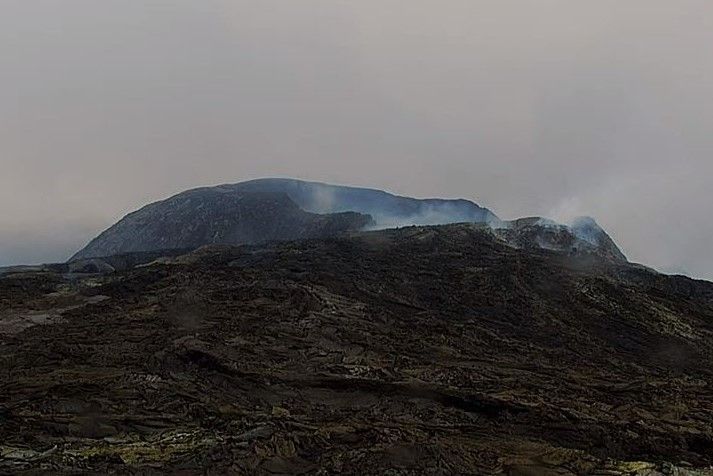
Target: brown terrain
423,350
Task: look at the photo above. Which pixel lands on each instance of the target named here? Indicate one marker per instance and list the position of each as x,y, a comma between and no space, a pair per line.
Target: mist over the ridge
547,107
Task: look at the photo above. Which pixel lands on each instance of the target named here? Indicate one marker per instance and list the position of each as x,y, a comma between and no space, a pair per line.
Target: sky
553,108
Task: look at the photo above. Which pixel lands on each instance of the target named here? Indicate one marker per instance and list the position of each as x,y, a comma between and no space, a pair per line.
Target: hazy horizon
549,107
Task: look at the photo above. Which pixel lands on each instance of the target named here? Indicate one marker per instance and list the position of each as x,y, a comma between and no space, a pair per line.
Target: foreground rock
424,350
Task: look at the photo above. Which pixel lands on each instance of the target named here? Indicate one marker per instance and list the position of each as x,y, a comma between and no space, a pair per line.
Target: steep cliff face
218,216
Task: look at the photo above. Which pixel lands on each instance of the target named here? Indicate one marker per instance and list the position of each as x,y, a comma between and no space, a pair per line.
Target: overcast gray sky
529,107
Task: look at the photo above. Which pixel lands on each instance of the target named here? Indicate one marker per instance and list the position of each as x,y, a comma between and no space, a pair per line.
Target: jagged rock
420,350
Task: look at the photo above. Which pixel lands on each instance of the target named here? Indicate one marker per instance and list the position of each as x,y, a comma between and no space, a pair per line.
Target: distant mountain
286,209
271,209
217,215
387,210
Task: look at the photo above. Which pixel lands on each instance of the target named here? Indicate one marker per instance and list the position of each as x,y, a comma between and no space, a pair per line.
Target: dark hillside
424,350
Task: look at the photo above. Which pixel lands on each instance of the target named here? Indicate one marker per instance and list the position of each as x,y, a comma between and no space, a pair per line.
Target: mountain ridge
210,215
285,209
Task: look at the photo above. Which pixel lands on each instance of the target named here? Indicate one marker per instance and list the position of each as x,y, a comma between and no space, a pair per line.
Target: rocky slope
584,237
422,350
271,209
388,210
217,215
